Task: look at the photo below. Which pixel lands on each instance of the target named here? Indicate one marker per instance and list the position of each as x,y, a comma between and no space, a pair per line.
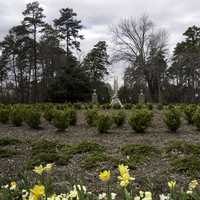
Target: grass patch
44,152
182,147
9,141
184,157
188,165
7,153
138,153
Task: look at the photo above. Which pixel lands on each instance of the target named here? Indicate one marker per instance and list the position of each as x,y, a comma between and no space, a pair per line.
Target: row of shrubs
61,119
140,118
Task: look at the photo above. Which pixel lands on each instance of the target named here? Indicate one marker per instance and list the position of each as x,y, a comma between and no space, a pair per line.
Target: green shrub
160,106
104,123
128,106
196,118
119,118
4,115
91,117
61,120
140,120
189,111
149,106
106,106
33,118
172,118
16,116
116,106
49,114
77,106
72,116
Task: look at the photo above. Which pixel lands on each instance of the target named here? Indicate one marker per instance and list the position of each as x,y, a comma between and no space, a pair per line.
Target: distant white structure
115,98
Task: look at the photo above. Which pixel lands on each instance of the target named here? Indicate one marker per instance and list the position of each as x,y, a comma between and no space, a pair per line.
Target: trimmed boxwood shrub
128,106
116,106
196,118
16,116
91,117
140,119
104,123
72,116
189,111
49,114
33,118
61,120
172,118
119,118
4,115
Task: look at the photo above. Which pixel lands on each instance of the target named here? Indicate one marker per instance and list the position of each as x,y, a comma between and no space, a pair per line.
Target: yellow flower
48,167
104,175
39,169
13,185
124,177
37,192
148,196
193,184
123,169
171,184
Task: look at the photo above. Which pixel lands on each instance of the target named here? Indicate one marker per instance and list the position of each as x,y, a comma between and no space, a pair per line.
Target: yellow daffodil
48,167
193,184
37,192
148,196
124,177
104,175
171,184
13,185
123,169
39,169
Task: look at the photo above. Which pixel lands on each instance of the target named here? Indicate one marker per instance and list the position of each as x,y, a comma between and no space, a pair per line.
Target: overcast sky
97,15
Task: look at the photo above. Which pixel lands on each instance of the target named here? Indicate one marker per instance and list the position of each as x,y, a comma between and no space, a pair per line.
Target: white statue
115,98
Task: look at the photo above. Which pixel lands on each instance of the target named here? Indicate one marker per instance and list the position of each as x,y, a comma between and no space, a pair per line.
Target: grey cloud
97,15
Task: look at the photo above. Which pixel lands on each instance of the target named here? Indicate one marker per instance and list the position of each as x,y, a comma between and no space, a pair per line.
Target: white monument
115,98
94,97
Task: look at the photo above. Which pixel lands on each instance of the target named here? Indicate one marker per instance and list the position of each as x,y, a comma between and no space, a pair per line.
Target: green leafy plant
72,116
104,123
119,118
91,117
140,120
61,120
189,111
49,114
196,118
116,106
16,116
4,115
172,118
33,118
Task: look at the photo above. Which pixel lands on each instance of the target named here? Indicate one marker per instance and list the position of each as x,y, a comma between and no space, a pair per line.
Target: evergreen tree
69,27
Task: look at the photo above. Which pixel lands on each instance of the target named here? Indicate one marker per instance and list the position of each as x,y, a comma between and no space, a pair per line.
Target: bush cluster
91,117
103,123
140,119
189,111
61,120
33,118
16,116
119,118
172,118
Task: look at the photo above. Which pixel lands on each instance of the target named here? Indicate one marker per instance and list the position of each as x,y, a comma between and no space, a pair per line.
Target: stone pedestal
94,97
141,98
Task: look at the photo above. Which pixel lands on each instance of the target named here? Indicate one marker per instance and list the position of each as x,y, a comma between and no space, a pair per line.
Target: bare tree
137,42
131,38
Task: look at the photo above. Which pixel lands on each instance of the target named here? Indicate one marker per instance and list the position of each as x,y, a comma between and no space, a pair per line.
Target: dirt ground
156,135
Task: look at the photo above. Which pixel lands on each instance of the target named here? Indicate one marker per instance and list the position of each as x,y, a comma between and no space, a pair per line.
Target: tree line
38,61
